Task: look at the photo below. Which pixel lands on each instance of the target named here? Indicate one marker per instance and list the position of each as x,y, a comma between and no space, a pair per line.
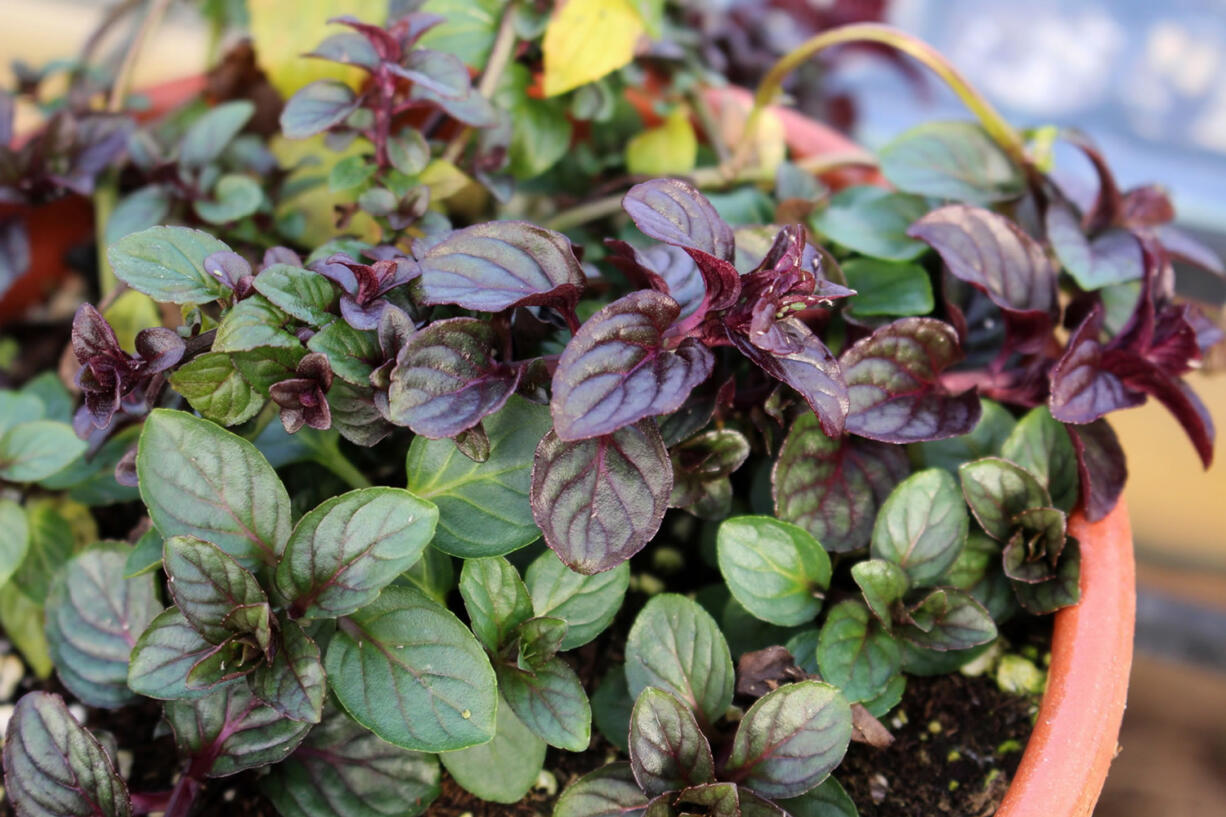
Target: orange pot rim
1066,760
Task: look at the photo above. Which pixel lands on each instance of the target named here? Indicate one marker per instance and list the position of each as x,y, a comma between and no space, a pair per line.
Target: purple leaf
995,256
893,380
1189,250
317,107
1033,551
804,363
1082,388
599,501
1101,467
674,212
494,266
616,370
446,379
1111,257
832,487
663,268
439,71
667,749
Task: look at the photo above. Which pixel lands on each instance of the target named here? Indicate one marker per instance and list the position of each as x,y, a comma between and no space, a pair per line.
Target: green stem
500,57
997,127
106,195
123,77
336,462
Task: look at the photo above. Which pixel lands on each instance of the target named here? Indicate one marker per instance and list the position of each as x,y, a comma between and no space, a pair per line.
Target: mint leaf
587,604
496,599
503,770
951,160
997,490
167,264
207,585
293,683
855,653
667,749
233,729
37,449
163,656
775,569
610,791
550,701
922,526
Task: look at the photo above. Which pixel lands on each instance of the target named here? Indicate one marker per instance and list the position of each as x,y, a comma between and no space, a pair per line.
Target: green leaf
216,389
503,770
587,604
873,221
35,450
146,555
483,507
610,791
542,132
790,739
855,654
93,617
53,767
467,30
1042,446
51,545
433,574
948,619
550,701
540,639
254,323
496,599
208,584
139,210
404,655
879,706
234,729
19,407
167,264
92,481
827,800
922,526
14,538
612,705
163,656
1061,591
342,553
350,172
997,490
951,160
667,749
228,661
269,365
775,569
317,107
350,351
887,288
199,480
882,583
676,646
803,647
343,770
1111,257
985,440
294,683
58,403
23,623
300,293
207,137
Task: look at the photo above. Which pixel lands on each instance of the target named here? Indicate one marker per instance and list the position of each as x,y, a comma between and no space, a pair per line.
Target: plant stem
1000,130
123,77
336,462
105,196
500,56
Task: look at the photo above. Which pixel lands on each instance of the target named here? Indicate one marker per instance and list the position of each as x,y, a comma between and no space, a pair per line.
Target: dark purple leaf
280,255
347,48
501,264
446,379
809,368
1082,387
832,487
1101,467
386,46
674,212
893,381
667,749
472,109
1180,401
599,501
317,107
1111,257
158,348
664,268
616,370
1062,590
995,256
439,71
1185,248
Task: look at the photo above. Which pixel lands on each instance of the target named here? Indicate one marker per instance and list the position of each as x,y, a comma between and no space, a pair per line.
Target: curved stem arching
997,127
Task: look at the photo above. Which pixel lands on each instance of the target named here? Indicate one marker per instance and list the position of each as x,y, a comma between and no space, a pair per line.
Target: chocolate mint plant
860,421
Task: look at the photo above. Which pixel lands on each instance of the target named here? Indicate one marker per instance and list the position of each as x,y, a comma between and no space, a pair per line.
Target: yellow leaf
587,39
130,313
767,143
316,204
669,149
284,30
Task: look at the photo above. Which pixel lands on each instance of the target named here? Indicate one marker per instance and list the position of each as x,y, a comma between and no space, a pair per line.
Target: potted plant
484,418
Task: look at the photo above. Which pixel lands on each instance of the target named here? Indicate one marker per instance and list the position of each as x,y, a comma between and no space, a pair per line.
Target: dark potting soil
957,743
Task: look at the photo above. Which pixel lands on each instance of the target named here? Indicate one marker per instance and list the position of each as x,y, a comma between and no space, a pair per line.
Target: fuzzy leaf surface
893,382
948,619
790,739
37,449
404,655
483,508
94,616
951,160
610,791
599,501
294,683
873,221
777,570
675,645
199,480
673,211
163,656
1042,445
343,770
301,293
53,767
214,386
616,370
550,701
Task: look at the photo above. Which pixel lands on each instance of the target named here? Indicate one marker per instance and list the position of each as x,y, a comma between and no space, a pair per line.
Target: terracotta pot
67,222
1074,740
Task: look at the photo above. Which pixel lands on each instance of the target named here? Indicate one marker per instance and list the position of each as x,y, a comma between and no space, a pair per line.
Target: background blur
1146,80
